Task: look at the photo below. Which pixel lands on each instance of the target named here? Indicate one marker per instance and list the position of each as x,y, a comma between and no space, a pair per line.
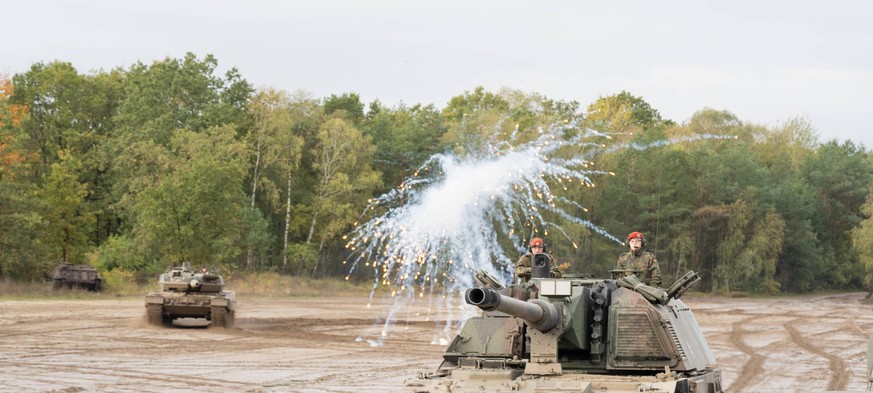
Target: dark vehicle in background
67,275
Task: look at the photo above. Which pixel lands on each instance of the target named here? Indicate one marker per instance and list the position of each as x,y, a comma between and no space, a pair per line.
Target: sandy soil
814,343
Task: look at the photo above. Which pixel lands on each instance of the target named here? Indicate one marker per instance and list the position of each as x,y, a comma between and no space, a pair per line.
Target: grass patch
12,290
274,284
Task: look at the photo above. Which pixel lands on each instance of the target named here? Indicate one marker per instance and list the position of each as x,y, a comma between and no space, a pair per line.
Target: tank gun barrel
539,314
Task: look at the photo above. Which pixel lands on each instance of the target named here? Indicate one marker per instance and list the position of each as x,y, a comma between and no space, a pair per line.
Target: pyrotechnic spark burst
455,216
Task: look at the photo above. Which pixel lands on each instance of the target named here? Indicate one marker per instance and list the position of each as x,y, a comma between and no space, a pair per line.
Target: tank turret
577,334
182,279
191,294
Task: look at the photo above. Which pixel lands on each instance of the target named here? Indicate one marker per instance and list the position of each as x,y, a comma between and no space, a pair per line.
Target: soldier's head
537,246
636,241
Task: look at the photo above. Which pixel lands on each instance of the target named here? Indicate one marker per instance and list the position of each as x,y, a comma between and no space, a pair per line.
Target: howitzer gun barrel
539,314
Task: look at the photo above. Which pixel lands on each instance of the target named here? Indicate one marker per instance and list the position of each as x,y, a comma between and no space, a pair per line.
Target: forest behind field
136,169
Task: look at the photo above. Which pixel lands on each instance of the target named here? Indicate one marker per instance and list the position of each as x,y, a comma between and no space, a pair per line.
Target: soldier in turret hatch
639,262
523,266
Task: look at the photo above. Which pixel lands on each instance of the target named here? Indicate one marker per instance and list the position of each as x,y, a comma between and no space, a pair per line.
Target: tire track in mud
362,375
29,330
753,367
367,361
854,327
839,370
50,344
803,310
44,338
371,362
111,374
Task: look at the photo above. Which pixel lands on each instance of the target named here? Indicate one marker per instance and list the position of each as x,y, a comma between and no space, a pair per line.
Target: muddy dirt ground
815,343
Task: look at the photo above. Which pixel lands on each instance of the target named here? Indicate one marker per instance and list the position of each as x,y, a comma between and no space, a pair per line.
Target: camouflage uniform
523,269
645,263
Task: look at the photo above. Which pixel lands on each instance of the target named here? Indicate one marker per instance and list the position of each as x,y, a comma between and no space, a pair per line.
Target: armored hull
66,275
186,294
577,335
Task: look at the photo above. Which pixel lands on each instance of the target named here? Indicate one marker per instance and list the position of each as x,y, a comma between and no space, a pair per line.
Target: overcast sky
764,61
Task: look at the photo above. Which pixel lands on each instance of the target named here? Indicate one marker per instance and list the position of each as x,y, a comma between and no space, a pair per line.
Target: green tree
71,114
158,101
306,118
474,120
724,172
196,209
66,111
531,111
271,122
62,198
787,146
783,150
840,174
342,164
862,239
175,94
123,255
21,255
794,199
273,143
623,113
347,106
709,121
23,252
404,137
11,116
748,249
677,192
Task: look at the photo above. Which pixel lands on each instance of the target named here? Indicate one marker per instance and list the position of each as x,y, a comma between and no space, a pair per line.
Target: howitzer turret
577,334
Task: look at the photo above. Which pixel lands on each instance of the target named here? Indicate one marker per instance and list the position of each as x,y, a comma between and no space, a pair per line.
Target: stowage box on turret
579,335
187,294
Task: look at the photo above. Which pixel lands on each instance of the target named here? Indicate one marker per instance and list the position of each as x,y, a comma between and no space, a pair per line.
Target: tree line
136,169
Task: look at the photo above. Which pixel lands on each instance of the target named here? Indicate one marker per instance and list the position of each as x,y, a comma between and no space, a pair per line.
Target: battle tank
576,334
188,294
75,276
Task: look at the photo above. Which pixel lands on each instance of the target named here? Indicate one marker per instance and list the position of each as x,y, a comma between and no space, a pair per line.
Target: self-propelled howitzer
577,334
